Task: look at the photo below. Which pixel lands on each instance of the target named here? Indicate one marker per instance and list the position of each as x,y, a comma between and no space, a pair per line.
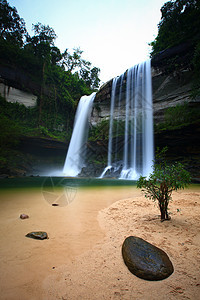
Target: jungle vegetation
61,78
57,79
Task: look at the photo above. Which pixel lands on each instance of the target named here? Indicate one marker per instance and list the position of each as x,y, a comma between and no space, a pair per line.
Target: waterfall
137,141
109,164
76,152
130,144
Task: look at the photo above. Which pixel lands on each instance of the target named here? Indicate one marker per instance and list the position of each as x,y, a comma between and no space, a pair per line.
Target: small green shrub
163,181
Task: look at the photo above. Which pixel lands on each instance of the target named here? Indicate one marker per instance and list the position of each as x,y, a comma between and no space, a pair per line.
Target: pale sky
114,34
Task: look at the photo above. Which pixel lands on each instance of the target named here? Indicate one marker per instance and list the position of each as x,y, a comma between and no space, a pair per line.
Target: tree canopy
180,22
41,47
12,27
62,78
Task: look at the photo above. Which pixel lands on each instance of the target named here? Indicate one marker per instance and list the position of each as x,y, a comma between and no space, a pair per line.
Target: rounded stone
24,216
145,260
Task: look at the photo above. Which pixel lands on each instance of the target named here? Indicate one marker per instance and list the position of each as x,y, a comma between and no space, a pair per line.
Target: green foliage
18,113
26,120
9,139
180,22
164,179
60,79
9,132
12,27
43,34
90,77
178,116
39,54
74,63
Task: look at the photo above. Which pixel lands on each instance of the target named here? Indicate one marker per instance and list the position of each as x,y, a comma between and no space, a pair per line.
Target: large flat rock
145,260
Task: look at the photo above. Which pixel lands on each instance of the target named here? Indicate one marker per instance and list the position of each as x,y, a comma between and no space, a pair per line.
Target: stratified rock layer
145,260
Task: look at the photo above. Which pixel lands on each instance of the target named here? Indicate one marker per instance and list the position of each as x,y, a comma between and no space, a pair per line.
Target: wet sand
82,257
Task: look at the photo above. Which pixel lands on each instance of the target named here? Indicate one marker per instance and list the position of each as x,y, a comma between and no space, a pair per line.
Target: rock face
171,83
15,95
20,80
168,91
183,145
44,154
145,260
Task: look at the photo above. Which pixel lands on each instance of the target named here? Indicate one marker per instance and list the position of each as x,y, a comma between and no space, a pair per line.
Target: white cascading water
110,145
138,148
75,156
132,90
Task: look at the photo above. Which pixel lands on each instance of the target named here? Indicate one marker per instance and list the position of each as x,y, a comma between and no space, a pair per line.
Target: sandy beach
82,257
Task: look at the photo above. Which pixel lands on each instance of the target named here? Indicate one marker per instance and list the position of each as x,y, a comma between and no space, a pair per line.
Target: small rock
39,235
145,260
24,216
55,204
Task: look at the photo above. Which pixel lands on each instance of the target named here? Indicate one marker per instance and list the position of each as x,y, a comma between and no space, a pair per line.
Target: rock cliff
15,95
171,86
168,91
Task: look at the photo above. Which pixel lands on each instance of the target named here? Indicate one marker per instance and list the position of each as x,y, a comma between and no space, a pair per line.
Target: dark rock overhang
179,55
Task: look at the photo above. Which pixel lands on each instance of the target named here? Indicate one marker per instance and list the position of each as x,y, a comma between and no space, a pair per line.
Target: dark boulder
38,235
145,260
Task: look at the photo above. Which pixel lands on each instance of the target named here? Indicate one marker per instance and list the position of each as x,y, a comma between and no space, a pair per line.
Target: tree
180,22
43,34
42,42
164,179
43,47
74,63
12,27
91,77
